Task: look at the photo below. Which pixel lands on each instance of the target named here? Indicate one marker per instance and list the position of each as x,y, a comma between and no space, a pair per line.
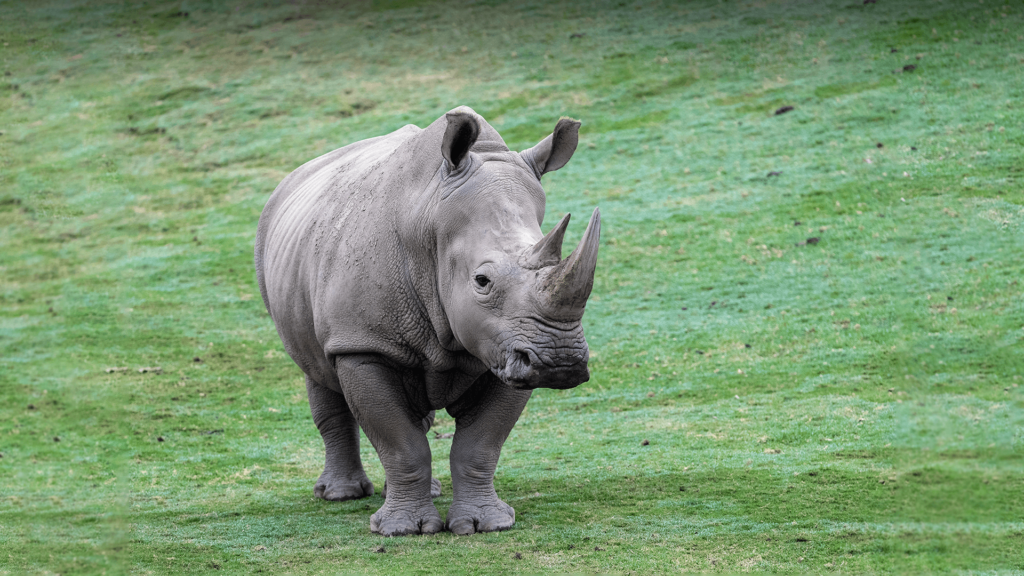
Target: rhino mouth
525,370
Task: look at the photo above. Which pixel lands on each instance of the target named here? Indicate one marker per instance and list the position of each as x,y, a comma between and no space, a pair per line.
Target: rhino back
318,240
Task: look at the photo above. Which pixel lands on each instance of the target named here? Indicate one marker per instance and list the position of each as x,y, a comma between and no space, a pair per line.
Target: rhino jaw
525,371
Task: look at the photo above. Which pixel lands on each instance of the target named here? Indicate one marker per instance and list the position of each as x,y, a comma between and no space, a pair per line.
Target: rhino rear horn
554,151
459,136
569,283
548,251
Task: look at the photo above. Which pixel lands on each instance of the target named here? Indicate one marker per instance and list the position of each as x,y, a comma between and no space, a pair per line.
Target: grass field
808,327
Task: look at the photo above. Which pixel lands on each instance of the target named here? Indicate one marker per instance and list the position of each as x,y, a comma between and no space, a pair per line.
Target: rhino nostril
522,357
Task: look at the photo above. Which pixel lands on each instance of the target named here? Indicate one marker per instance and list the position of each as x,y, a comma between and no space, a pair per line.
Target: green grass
847,405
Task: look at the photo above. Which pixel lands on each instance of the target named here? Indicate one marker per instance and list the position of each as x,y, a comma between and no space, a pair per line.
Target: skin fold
408,273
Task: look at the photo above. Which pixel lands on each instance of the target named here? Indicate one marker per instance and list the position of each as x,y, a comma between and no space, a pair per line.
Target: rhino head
511,299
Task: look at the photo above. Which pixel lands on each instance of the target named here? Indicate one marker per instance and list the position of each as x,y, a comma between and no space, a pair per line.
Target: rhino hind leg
484,416
377,398
343,477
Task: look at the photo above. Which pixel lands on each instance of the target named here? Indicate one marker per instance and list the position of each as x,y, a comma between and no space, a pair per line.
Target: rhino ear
554,151
459,137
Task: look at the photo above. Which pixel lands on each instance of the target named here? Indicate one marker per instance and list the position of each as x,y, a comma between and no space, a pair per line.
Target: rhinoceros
408,273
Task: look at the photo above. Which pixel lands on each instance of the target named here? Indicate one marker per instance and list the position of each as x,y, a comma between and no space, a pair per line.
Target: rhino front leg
376,396
484,416
435,484
343,477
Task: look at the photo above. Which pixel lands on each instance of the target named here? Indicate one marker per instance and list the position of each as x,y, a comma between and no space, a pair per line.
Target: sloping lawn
807,325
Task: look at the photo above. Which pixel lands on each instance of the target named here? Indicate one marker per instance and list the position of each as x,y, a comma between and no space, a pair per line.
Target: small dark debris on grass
746,345
913,148
949,298
869,1
212,432
33,406
159,438
684,307
150,370
572,546
518,556
909,68
443,436
197,359
7,72
773,172
880,145
598,549
577,35
797,223
701,352
783,110
56,438
713,302
893,50
380,550
646,442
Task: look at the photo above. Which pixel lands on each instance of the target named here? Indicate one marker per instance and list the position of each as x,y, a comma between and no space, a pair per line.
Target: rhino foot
487,516
401,520
435,488
339,489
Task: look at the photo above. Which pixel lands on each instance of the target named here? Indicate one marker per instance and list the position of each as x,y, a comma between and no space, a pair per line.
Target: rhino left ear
459,137
554,151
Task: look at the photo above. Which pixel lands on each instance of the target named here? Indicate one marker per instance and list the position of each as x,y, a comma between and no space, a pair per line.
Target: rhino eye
482,281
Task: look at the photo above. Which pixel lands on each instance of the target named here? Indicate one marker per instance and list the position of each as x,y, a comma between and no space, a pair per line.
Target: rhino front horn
568,285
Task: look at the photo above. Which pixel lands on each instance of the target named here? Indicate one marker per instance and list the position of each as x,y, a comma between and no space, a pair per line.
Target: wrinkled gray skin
408,273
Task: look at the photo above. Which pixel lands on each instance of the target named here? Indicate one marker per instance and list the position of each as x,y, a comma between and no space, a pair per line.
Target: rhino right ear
554,151
459,137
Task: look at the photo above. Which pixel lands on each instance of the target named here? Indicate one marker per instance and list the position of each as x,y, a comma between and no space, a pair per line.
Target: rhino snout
525,370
